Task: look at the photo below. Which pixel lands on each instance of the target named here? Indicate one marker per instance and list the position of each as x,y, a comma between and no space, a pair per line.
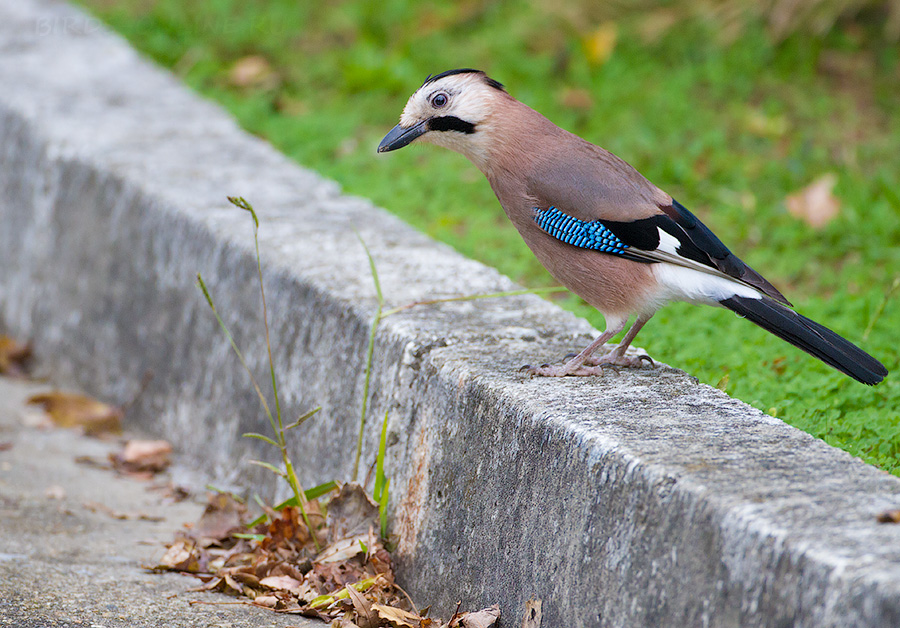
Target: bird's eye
439,100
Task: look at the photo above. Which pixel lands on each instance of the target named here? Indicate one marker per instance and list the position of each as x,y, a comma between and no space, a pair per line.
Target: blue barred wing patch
586,235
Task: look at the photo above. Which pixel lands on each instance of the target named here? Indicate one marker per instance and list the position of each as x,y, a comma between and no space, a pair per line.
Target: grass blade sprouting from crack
370,352
275,421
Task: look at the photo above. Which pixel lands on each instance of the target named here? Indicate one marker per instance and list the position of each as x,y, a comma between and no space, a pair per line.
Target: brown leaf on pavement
171,492
889,516
96,463
13,357
269,601
485,618
281,582
143,457
815,204
222,516
397,617
73,410
275,564
183,555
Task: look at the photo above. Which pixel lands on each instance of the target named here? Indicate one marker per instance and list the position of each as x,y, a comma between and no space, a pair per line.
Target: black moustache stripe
450,123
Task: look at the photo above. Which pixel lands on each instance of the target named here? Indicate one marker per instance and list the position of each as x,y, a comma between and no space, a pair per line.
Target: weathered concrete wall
639,499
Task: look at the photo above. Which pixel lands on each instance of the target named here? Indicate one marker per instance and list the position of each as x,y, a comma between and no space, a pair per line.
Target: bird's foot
627,361
563,370
591,367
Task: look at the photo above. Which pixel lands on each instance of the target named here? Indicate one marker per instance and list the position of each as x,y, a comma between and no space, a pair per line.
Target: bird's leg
617,356
576,365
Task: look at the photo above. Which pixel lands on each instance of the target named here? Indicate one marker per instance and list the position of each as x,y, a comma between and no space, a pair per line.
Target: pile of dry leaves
340,572
344,575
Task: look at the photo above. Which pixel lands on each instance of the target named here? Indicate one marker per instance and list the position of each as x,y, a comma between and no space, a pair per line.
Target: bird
600,228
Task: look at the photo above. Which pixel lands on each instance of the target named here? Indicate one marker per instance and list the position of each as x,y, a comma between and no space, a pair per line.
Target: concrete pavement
63,564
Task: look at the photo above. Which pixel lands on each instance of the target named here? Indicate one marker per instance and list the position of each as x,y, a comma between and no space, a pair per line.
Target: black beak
398,137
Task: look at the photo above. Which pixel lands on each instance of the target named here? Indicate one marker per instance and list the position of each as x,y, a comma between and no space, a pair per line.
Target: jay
600,228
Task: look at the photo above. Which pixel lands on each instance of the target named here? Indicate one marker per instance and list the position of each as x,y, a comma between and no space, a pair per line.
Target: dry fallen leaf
183,555
143,456
275,564
269,601
74,410
815,204
13,356
223,514
485,618
343,622
397,617
351,513
171,492
96,463
342,550
532,617
367,617
281,582
253,71
231,585
889,516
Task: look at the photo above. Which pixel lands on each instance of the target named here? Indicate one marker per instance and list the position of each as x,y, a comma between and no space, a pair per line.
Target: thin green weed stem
370,352
880,309
381,313
275,421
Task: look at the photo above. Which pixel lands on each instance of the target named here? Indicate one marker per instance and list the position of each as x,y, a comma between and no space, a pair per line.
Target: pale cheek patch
412,113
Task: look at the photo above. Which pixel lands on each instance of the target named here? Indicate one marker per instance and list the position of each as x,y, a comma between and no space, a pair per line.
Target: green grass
729,130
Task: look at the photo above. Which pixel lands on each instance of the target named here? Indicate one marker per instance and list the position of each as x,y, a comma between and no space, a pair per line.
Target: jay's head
453,110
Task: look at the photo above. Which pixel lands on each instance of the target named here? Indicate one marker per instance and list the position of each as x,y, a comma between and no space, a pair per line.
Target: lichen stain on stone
411,510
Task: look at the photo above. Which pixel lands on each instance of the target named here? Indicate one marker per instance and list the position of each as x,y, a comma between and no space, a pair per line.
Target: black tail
808,335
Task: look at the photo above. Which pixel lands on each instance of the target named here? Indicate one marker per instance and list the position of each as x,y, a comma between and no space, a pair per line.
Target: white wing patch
667,242
679,283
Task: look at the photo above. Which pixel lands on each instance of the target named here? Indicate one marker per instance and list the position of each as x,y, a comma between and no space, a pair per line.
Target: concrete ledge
641,499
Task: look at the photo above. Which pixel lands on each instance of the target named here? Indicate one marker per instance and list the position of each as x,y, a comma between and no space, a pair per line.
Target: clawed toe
565,370
615,361
544,370
590,367
627,361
